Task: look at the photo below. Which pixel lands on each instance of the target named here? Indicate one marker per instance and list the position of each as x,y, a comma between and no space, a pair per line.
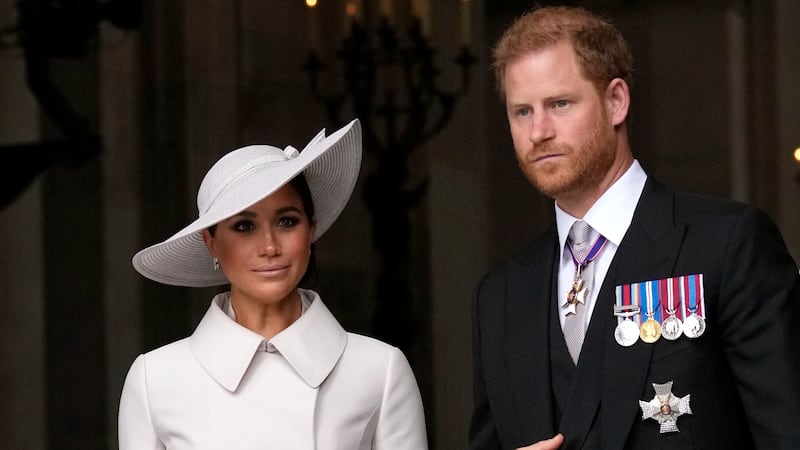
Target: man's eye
561,103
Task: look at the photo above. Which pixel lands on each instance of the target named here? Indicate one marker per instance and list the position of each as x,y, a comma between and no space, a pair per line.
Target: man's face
564,140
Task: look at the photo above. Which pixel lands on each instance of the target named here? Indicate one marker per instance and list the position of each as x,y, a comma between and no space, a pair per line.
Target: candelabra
391,86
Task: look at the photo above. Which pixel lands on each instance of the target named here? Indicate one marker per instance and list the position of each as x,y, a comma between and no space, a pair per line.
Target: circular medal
626,333
694,326
650,331
671,328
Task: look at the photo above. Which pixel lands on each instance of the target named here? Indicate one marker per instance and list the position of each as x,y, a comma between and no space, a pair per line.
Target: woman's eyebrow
286,209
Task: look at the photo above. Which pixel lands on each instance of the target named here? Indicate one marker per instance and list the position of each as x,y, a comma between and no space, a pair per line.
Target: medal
665,408
580,289
650,330
670,307
671,327
694,325
627,331
577,294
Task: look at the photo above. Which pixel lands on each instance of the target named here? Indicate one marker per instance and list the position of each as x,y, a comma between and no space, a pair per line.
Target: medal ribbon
597,247
654,300
701,306
623,310
626,294
665,292
692,286
676,294
636,300
648,291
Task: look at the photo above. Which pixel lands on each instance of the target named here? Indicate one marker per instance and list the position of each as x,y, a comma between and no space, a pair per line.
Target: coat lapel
608,373
312,345
530,284
648,252
223,347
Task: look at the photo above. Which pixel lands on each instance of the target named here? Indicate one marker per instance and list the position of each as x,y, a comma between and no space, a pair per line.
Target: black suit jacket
743,373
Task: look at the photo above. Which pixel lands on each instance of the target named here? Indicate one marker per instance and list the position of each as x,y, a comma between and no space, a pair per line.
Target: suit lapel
648,252
608,373
530,285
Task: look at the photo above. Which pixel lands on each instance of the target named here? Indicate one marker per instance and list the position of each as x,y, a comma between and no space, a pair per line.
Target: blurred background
111,111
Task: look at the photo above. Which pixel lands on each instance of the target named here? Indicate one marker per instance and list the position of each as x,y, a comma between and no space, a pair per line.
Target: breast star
665,408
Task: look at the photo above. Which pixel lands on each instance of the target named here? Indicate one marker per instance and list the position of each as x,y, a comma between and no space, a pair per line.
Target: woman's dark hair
300,186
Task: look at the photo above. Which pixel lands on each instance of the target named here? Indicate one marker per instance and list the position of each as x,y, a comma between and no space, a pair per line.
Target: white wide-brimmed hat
242,178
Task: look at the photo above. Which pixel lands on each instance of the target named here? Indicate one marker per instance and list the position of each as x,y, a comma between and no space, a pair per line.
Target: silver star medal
577,294
665,408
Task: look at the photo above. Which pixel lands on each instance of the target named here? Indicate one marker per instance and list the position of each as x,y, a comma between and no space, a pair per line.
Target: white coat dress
323,389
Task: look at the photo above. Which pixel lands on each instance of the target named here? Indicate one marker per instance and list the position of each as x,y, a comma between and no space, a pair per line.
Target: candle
422,11
352,14
353,10
313,23
466,17
386,10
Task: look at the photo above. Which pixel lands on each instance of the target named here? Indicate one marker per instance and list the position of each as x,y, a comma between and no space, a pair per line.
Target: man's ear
618,100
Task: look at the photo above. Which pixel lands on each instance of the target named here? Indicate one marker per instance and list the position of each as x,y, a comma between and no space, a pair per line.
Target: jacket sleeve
482,431
136,430
401,424
758,314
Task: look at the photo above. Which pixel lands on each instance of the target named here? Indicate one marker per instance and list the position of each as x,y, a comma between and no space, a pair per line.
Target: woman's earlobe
208,241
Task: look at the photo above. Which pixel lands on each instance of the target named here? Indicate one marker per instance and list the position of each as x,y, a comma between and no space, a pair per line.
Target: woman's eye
523,112
288,222
243,226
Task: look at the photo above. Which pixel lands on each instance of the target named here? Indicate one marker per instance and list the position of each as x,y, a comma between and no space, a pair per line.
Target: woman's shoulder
170,349
369,344
166,356
368,351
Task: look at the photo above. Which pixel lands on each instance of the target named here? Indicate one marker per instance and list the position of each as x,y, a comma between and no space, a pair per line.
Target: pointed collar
612,213
312,345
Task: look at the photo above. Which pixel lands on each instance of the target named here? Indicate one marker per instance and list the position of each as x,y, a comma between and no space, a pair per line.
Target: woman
268,367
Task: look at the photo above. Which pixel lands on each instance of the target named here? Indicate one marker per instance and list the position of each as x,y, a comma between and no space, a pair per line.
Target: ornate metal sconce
390,83
46,30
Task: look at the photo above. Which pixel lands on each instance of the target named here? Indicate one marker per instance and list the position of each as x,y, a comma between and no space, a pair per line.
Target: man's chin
549,179
550,187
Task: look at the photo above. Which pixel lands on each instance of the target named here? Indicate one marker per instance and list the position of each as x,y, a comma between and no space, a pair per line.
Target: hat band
243,171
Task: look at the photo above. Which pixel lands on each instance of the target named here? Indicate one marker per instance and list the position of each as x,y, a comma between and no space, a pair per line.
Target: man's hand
551,444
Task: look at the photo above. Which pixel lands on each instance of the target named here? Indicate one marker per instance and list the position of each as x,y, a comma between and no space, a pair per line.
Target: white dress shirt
610,216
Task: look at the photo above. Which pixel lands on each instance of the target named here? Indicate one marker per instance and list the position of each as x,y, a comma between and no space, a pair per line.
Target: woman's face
264,250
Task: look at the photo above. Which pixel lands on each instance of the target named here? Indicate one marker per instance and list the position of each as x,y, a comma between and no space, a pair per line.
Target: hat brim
331,167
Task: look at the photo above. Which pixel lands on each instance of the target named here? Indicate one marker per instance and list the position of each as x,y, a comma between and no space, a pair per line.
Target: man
664,323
